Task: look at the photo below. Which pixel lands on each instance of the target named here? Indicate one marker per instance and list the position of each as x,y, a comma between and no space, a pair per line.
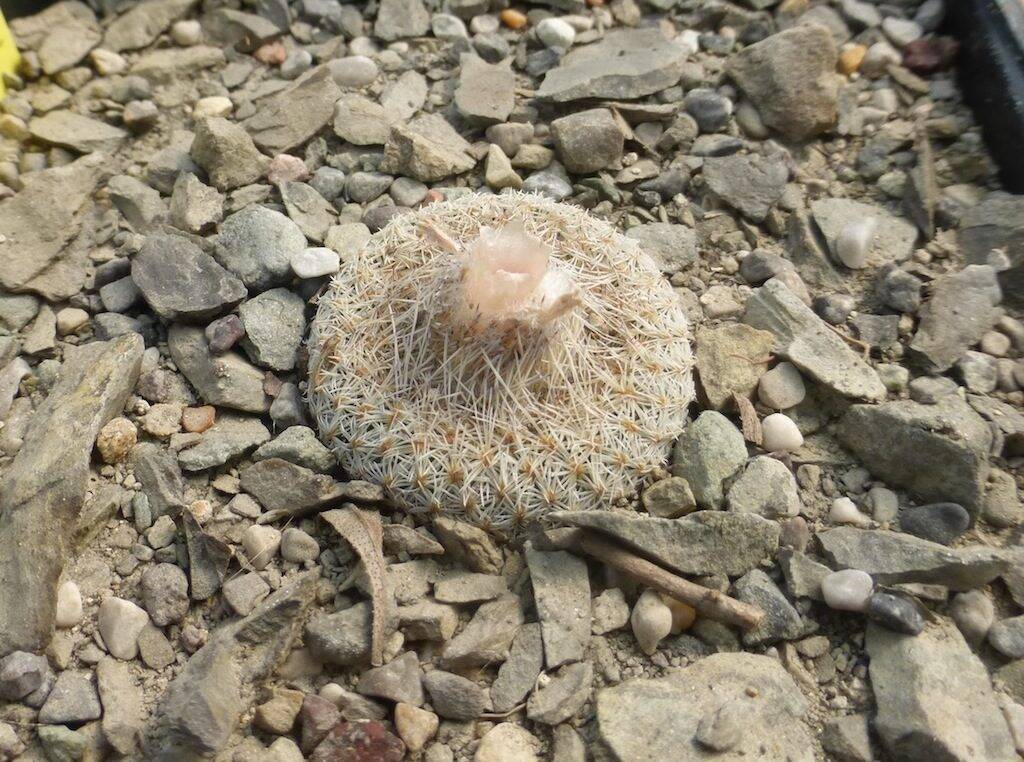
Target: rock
39,223
167,164
993,224
847,590
780,434
69,605
498,172
286,120
398,680
790,78
563,696
913,446
164,592
308,209
73,700
162,533
782,387
342,638
962,307
229,438
43,489
454,697
227,153
361,121
317,716
261,544
1002,506
933,694
937,522
896,613
274,323
353,71
487,637
278,715
625,64
298,547
894,558
21,673
673,247
803,575
181,282
561,592
298,445
845,511
83,134
1007,637
705,542
353,740
123,712
847,738
257,244
468,545
751,184
140,205
651,621
144,23
766,487
66,45
40,337
587,141
781,620
203,704
401,18
661,718
116,440
226,380
974,613
710,451
282,486
669,498
158,472
63,744
315,262
506,741
195,207
486,92
802,338
120,623
244,593
427,149
892,238
518,675
415,726
721,375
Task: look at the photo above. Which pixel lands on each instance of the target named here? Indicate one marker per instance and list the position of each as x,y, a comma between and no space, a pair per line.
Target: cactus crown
495,358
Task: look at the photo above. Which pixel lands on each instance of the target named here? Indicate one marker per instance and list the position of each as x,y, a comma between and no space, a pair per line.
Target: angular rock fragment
288,119
731,360
427,149
79,133
227,154
230,437
487,637
561,591
486,92
226,380
751,184
995,223
893,237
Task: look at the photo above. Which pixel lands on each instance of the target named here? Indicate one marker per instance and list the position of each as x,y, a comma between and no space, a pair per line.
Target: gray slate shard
672,247
427,149
203,704
934,697
627,63
225,380
486,92
659,719
561,592
401,18
285,121
962,307
143,23
84,134
997,223
938,452
751,184
43,490
803,338
892,558
229,438
705,542
182,282
157,471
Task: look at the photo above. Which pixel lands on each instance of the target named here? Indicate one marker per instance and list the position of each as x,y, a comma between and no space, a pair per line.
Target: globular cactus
498,357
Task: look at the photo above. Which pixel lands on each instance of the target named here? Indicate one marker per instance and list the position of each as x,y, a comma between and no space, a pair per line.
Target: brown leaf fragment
749,421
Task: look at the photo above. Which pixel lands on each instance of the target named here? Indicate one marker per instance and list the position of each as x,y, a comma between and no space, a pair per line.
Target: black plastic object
991,74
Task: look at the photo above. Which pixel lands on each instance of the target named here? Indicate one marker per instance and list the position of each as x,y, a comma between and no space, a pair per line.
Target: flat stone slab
84,134
561,591
893,240
288,119
627,63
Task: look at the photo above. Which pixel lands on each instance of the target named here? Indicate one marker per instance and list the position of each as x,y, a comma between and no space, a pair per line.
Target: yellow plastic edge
9,56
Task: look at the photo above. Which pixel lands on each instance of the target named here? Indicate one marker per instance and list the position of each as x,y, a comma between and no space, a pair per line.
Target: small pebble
69,605
845,511
782,387
315,262
187,33
847,590
651,621
780,434
555,33
973,612
895,613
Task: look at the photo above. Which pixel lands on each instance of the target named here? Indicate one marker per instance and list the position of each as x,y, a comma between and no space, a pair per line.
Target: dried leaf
362,530
749,421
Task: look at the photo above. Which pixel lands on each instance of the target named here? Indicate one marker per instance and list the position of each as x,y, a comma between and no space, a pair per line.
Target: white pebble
780,434
845,511
854,242
214,105
651,620
782,387
120,623
69,605
556,33
847,590
315,262
260,544
187,33
353,71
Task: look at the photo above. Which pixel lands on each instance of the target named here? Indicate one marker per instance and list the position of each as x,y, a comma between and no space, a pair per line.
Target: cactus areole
498,357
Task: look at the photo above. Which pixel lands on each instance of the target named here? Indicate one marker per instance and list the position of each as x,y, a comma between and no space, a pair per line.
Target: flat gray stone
182,282
83,134
230,437
587,141
561,592
285,121
73,700
660,718
518,675
427,149
309,210
625,64
298,445
226,380
749,183
274,323
672,247
488,636
938,452
563,695
894,237
43,489
486,92
401,18
362,122
706,454
144,23
124,713
66,45
227,153
934,697
706,542
720,355
893,558
781,621
803,338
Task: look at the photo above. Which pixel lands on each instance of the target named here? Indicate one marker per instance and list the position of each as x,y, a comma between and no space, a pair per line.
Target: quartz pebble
845,511
780,434
315,262
847,590
651,621
555,33
69,605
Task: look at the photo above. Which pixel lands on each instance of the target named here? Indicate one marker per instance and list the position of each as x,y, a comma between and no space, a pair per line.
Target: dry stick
711,603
